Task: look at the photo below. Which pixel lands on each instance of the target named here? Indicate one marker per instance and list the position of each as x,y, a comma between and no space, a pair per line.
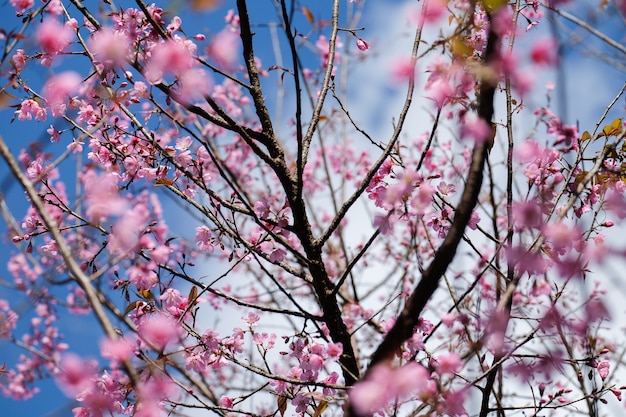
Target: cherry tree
249,243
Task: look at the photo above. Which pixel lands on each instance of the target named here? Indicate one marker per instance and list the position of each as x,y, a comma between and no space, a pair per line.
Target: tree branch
408,318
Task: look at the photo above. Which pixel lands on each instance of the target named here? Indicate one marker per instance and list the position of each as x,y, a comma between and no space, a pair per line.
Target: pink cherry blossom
431,12
30,108
102,196
224,49
402,68
19,60
226,401
75,374
59,89
194,84
53,37
125,232
476,129
603,369
110,47
448,363
169,57
204,239
159,330
544,52
440,92
119,350
22,5
383,384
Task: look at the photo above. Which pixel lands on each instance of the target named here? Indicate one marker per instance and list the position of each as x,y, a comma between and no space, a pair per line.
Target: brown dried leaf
193,294
204,5
131,307
281,401
164,181
307,13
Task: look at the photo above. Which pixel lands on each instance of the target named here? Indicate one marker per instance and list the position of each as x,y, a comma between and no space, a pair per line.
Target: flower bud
362,44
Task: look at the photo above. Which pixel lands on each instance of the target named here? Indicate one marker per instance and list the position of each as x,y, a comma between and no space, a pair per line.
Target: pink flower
301,403
440,91
55,135
30,108
204,239
53,37
323,46
403,68
168,57
603,369
151,392
383,384
22,5
475,128
527,214
19,60
118,350
526,261
126,232
110,47
76,374
226,402
102,196
60,87
159,330
193,84
432,11
224,49
277,255
448,363
448,319
251,319
544,52
334,350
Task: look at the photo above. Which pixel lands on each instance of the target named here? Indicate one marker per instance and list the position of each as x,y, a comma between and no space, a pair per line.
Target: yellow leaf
307,13
460,48
491,5
146,294
615,128
585,136
320,408
204,5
